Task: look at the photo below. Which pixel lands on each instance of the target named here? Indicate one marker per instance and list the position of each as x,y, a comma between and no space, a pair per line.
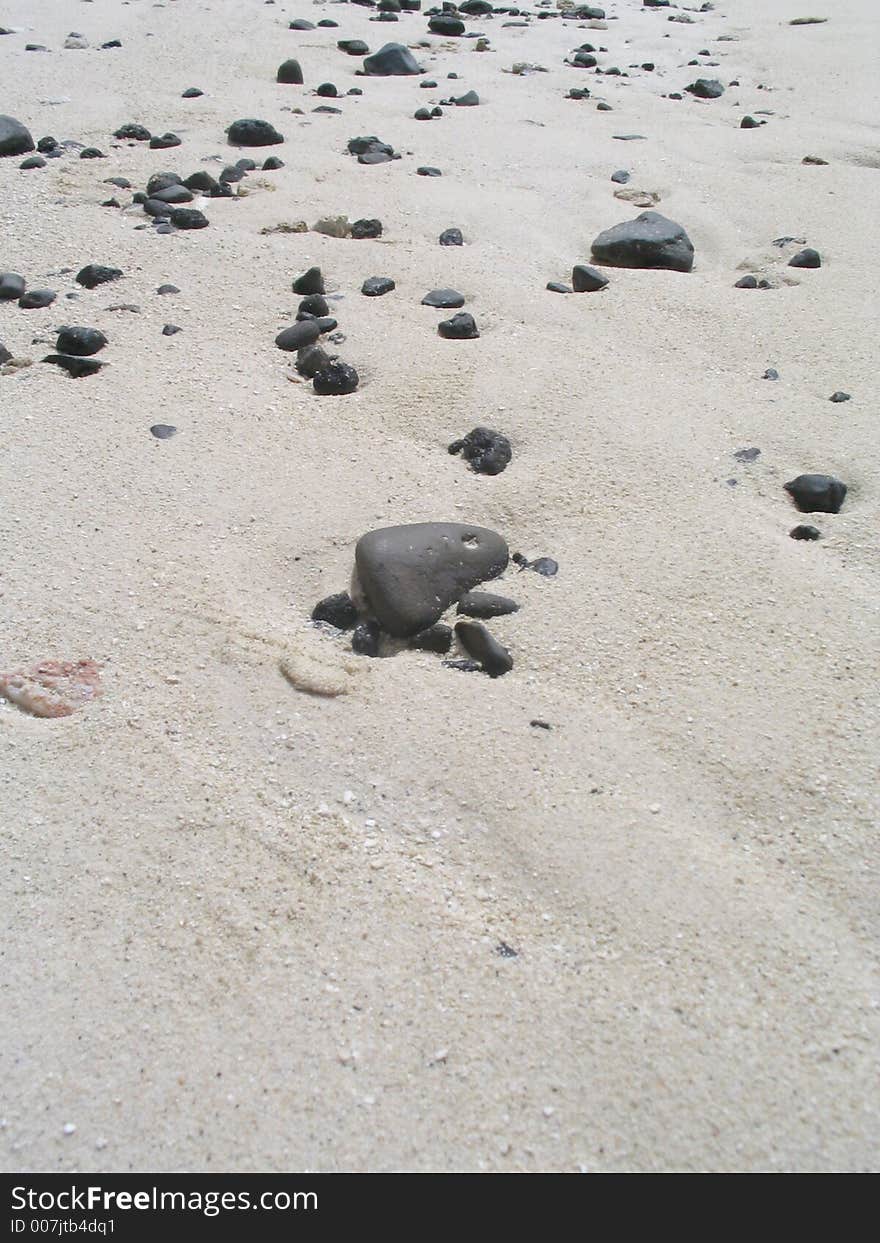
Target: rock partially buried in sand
53,688
649,241
817,494
585,279
409,575
488,452
483,604
480,644
335,379
392,60
461,327
253,133
94,274
80,341
290,73
12,286
15,138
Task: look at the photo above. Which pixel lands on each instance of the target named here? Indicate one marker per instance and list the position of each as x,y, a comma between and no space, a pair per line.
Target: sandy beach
247,928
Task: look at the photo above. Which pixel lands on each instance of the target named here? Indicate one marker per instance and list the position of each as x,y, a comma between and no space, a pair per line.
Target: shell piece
53,688
318,668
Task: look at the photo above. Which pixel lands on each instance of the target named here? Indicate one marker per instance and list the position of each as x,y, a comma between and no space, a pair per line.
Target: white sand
216,959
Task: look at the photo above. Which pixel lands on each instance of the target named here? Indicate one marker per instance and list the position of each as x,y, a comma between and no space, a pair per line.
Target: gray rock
649,241
306,332
36,299
706,88
290,73
485,604
376,286
479,643
80,341
392,60
12,286
411,574
15,138
253,133
445,299
585,279
807,258
817,494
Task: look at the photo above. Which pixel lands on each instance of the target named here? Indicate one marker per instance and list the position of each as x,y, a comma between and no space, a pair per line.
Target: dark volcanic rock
426,170
162,181
706,88
435,639
310,282
484,604
817,494
585,279
354,47
366,228
192,92
34,161
253,133
12,286
161,142
488,452
163,431
376,286
807,258
461,327
94,274
621,176
15,138
444,299
840,396
80,341
445,24
336,379
649,241
310,360
188,218
391,60
91,153
337,610
451,237
479,643
138,133
314,304
272,162
171,330
367,639
411,574
175,194
306,332
165,289
558,287
805,531
469,100
36,299
75,367
290,73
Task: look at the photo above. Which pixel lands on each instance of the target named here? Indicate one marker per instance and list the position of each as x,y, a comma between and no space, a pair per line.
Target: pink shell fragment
53,687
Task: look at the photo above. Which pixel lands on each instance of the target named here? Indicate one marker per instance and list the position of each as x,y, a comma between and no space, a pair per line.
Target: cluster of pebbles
407,578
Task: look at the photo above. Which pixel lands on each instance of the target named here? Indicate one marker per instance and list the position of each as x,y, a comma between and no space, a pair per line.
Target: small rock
451,237
12,286
290,74
36,299
310,282
484,604
80,341
585,279
488,452
171,330
391,60
75,367
335,379
337,610
481,646
649,241
817,493
366,229
444,299
461,327
706,88
306,332
163,431
804,531
839,396
376,286
253,133
806,258
435,639
94,274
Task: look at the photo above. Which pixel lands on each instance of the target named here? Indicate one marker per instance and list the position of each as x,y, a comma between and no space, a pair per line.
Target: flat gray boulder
15,138
649,241
409,575
392,60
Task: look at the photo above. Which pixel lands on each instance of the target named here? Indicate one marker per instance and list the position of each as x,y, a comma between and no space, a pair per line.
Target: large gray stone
649,241
392,60
410,575
15,138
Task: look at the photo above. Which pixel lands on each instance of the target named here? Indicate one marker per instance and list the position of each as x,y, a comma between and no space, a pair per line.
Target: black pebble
94,274
303,333
253,133
91,153
451,237
80,341
804,531
310,360
461,327
33,161
290,73
170,330
770,374
366,228
138,133
747,455
435,639
485,604
163,289
192,92
310,282
366,639
585,279
558,287
271,163
806,258
487,452
443,299
817,494
337,610
480,644
621,176
36,299
163,431
376,286
12,286
75,367
335,380
840,396
327,90
425,170
188,218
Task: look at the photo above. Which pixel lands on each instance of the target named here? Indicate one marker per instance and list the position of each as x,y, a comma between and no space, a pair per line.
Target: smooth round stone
483,647
354,47
451,237
290,73
621,177
425,170
484,604
585,279
335,380
817,494
253,133
375,157
444,299
202,182
163,431
173,194
192,92
469,100
301,23
188,218
166,289
487,451
337,610
376,286
33,161
327,91
94,274
12,286
746,282
306,332
770,374
461,327
80,341
310,282
806,258
558,287
365,143
271,163
805,532
15,138
446,25
36,299
366,229
411,574
155,208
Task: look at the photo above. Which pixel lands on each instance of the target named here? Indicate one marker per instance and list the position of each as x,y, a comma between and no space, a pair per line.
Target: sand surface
246,928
